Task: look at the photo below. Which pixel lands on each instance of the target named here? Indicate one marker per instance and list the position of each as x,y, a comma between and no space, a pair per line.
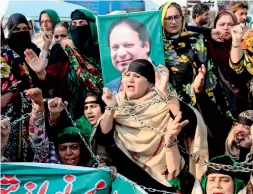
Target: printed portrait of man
128,39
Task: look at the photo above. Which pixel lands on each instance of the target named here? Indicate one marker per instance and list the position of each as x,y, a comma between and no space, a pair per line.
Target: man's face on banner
126,46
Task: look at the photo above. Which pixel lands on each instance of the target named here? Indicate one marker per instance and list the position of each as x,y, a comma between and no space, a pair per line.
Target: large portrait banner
126,37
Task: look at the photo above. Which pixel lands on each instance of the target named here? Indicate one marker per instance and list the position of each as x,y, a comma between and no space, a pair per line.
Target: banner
31,178
126,37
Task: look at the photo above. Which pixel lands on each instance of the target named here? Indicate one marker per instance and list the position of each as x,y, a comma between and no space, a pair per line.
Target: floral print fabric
184,55
15,78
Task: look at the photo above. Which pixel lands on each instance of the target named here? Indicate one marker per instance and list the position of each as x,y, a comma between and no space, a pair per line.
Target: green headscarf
227,160
70,134
53,16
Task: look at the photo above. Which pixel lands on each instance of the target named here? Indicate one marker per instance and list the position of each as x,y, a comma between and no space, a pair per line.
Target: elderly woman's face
242,134
173,21
69,153
135,85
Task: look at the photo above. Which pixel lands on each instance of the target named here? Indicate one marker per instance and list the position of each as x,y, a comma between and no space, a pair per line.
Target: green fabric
68,131
239,184
53,15
175,183
52,178
85,127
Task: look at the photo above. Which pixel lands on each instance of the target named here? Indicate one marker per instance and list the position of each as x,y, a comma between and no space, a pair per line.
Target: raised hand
237,34
199,80
108,97
174,127
162,80
36,96
113,170
66,42
56,105
5,131
217,35
48,37
34,61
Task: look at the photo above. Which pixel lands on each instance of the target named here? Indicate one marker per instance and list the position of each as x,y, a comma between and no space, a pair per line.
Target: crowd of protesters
172,128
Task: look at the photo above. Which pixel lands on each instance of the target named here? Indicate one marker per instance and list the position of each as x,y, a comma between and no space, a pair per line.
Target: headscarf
70,132
53,16
85,38
99,100
224,159
81,35
144,68
244,118
14,20
19,41
225,12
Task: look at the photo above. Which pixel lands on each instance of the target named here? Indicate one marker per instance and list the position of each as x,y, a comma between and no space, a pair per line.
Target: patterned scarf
14,70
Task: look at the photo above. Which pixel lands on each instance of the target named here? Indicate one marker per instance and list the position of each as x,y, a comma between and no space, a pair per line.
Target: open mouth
70,161
130,87
91,118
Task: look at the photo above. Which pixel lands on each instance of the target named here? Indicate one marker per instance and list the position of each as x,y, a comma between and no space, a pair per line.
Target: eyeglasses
171,18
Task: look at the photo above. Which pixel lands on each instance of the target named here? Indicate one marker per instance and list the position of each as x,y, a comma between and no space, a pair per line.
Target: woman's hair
234,6
135,25
63,24
98,97
2,36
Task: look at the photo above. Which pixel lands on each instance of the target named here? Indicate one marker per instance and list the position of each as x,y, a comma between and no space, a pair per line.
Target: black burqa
20,41
82,36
